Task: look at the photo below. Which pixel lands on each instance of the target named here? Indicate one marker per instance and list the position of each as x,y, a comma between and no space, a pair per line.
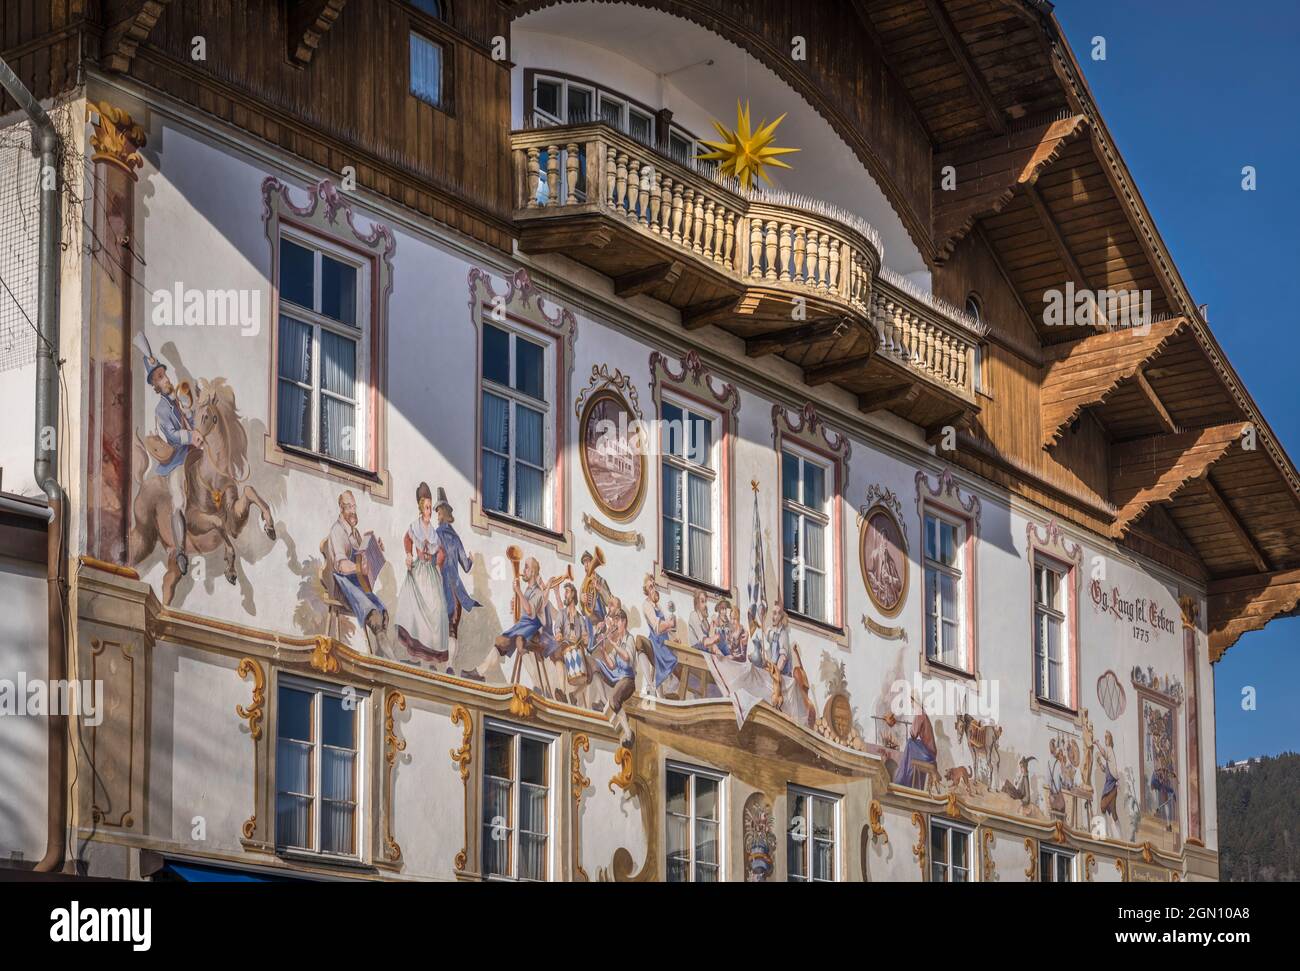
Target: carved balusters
728,241
709,227
571,174
769,249
787,238
833,282
552,175
534,176
755,248
656,202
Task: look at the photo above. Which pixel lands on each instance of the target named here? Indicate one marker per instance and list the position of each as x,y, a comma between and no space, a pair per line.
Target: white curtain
426,69
338,416
293,404
496,437
530,478
700,507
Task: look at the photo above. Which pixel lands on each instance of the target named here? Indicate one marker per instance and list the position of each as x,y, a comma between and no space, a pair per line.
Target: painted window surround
807,431
1049,545
949,499
688,379
373,244
522,307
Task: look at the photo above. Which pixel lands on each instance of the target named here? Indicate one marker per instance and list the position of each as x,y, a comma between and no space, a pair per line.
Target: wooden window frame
317,321
695,384
949,828
1046,852
1049,545
684,467
519,329
837,811
828,517
693,772
964,574
553,800
361,793
436,31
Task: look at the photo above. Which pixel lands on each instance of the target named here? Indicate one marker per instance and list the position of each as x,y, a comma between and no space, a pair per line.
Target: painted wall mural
882,550
190,474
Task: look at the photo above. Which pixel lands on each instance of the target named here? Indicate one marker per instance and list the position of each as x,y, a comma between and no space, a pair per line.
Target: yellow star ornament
745,153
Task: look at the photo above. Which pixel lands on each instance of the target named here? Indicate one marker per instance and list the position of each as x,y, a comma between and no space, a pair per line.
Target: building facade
555,507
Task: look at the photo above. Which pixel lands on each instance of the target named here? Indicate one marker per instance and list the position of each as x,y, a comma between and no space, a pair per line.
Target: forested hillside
1259,820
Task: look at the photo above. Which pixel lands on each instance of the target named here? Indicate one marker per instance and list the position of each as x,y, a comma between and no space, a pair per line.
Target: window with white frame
516,803
1051,634
812,836
1055,865
805,535
693,824
950,853
516,424
323,365
689,469
944,545
317,769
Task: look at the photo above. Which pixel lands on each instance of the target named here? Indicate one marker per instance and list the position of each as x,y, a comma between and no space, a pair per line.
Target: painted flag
757,574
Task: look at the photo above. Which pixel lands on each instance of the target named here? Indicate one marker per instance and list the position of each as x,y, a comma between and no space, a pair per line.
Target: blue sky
1193,90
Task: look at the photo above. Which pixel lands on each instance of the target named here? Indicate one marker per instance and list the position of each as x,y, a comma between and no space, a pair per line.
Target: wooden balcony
788,275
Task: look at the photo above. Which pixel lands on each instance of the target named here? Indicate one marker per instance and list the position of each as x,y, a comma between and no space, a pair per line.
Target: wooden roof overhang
1193,462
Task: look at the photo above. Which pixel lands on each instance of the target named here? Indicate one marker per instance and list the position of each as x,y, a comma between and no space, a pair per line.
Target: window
690,486
974,311
812,836
516,418
516,804
694,814
1055,865
317,788
944,543
1051,677
949,853
559,101
804,521
323,351
432,7
426,70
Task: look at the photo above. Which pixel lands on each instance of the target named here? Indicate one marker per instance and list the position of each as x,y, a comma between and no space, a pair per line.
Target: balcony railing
765,248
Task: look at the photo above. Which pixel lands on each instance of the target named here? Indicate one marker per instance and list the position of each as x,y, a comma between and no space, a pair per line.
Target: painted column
1190,614
116,145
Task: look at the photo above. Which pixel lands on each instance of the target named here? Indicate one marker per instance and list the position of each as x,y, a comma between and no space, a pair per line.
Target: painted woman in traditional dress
421,605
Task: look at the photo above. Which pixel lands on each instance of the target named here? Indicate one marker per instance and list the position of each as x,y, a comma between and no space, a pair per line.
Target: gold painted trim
1122,866
461,757
1031,847
875,819
628,537
392,746
918,851
102,565
117,138
322,656
253,714
579,782
623,778
1089,866
989,870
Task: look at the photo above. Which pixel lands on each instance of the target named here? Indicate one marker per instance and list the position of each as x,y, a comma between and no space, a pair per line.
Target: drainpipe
45,144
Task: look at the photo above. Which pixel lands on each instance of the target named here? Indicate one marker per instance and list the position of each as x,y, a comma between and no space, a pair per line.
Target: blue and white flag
757,574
